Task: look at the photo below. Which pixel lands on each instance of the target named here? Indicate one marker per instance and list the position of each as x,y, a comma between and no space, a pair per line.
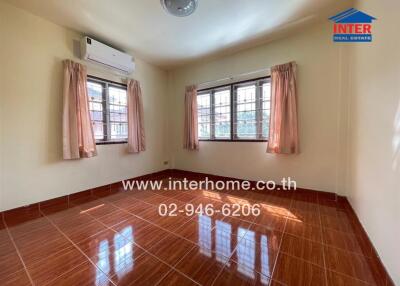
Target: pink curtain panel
283,127
78,138
136,135
191,138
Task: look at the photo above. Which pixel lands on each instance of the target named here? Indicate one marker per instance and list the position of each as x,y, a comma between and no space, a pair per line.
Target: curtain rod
233,76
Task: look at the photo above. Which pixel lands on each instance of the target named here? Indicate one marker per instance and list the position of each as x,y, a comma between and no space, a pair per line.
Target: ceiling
216,27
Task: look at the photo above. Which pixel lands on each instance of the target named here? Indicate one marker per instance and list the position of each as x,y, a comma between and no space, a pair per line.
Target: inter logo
352,25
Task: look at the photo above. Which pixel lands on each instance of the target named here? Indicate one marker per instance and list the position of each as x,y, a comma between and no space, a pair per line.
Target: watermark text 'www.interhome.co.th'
286,184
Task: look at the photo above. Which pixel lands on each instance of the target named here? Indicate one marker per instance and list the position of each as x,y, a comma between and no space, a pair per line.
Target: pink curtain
78,139
283,130
191,138
136,136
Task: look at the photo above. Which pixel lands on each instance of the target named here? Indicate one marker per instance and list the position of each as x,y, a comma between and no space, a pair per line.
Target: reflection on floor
300,238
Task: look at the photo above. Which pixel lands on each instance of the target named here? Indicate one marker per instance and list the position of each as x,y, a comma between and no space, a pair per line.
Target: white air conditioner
96,52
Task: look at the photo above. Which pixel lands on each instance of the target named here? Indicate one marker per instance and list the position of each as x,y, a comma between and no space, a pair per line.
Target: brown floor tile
296,272
239,274
197,229
86,274
25,229
350,264
40,251
202,264
171,249
303,249
258,249
304,230
9,264
336,279
6,245
154,199
114,218
84,231
129,243
185,197
346,241
46,271
171,223
272,221
109,250
140,232
337,223
304,217
305,206
19,278
174,278
35,235
146,270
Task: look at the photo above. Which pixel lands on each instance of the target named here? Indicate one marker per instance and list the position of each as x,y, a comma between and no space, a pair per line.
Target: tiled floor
118,238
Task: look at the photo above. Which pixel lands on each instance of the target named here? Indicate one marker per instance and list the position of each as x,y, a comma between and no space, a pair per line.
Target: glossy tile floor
110,237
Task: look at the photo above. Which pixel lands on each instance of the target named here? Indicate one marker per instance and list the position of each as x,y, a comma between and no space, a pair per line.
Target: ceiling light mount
179,8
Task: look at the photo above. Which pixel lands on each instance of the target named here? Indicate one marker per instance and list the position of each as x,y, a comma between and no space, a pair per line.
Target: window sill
111,142
235,140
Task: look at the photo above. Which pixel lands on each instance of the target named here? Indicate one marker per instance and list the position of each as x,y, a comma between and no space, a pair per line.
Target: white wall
320,114
374,173
32,169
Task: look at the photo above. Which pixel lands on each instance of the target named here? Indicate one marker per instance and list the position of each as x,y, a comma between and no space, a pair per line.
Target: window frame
231,86
106,104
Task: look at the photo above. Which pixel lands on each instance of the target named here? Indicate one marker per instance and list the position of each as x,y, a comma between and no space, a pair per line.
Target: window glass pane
222,114
108,110
203,101
246,94
204,130
204,116
98,130
118,113
95,106
95,91
117,95
119,130
96,115
246,127
266,108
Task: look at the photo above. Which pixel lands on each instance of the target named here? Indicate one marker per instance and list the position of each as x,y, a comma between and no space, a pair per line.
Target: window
235,112
108,110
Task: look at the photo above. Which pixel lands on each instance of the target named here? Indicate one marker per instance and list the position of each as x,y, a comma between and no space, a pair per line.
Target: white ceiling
216,27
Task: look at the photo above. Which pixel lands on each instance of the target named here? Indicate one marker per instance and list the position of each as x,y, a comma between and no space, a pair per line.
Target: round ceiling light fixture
179,8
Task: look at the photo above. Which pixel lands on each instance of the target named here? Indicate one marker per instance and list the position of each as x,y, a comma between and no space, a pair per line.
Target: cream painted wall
374,173
32,169
320,64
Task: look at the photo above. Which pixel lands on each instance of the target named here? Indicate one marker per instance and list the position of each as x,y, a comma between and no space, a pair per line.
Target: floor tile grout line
152,223
319,266
90,261
280,245
253,223
239,218
18,252
229,258
323,247
151,254
148,252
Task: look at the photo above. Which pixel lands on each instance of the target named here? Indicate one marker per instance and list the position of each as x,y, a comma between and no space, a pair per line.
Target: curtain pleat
136,134
283,126
191,138
78,137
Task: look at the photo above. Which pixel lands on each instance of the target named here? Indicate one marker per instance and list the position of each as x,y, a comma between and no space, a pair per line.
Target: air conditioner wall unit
97,52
